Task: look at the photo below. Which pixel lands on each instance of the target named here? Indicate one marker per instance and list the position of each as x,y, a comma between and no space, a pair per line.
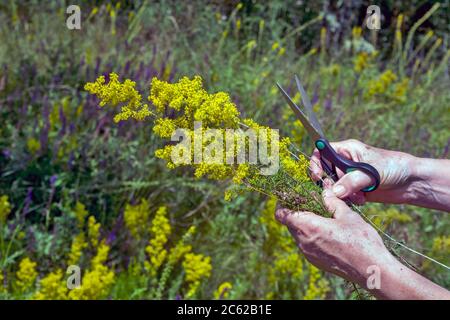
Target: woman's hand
395,170
349,247
404,178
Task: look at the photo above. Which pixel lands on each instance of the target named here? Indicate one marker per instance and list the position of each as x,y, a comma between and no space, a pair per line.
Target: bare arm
404,178
430,184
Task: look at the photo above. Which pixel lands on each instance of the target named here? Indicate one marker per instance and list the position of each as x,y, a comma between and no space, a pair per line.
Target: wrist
386,278
428,184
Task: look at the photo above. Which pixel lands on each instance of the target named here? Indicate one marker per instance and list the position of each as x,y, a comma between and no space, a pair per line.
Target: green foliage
57,148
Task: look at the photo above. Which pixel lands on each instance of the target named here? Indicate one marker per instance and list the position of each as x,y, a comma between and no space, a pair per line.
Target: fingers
333,204
344,148
337,206
297,219
315,166
351,183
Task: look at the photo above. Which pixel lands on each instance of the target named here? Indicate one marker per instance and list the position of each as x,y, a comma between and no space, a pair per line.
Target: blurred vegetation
76,187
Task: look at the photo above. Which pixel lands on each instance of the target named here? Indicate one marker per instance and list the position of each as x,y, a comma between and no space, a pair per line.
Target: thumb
297,219
351,183
336,206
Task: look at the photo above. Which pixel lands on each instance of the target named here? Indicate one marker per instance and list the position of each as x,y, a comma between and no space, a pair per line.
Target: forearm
401,283
429,184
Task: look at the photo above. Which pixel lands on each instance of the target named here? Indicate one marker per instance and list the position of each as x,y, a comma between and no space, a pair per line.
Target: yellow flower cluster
96,281
400,90
286,262
26,275
356,32
136,218
33,145
441,244
76,250
278,238
5,208
381,85
2,285
193,104
361,61
197,267
223,291
333,69
52,287
156,250
181,248
80,213
93,231
286,265
440,251
186,102
296,168
123,94
318,286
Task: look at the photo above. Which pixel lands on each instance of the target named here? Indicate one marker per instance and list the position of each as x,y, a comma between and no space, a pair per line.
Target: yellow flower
361,61
333,69
52,287
312,52
197,267
278,237
5,208
400,90
356,32
2,285
102,255
26,275
318,286
380,85
238,24
275,45
181,248
187,102
93,231
323,38
97,281
164,127
116,93
136,218
440,251
290,265
76,249
156,250
80,213
223,291
33,145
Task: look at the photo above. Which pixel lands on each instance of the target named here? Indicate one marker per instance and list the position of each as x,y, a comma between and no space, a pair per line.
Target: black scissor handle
327,152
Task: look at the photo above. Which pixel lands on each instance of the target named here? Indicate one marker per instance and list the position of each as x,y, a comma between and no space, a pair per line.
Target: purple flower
6,153
328,104
53,179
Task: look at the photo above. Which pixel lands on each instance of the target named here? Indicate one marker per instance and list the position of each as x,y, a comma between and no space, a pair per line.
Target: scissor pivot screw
320,145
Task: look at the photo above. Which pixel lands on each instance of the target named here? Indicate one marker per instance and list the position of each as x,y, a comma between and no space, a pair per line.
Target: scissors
329,158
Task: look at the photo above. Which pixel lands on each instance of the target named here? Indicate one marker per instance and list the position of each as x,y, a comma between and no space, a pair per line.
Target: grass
58,147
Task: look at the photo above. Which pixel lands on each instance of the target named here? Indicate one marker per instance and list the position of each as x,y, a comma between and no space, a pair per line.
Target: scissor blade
300,115
308,106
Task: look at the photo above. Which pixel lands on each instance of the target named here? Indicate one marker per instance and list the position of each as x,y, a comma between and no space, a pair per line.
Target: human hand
349,247
395,170
344,244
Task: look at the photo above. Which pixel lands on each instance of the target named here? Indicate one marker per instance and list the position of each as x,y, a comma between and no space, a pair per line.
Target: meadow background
77,188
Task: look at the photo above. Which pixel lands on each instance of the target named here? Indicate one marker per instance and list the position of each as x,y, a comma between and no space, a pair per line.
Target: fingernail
338,190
